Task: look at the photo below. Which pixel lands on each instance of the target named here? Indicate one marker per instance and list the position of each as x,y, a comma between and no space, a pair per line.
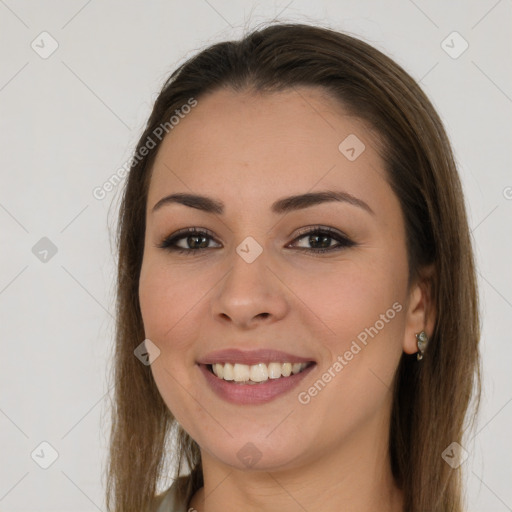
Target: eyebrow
284,205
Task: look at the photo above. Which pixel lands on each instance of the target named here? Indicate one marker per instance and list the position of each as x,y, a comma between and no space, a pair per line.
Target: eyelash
343,241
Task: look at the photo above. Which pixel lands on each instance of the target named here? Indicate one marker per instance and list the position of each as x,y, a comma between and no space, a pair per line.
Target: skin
248,150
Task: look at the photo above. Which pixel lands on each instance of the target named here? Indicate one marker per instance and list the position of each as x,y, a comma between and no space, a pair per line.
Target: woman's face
257,288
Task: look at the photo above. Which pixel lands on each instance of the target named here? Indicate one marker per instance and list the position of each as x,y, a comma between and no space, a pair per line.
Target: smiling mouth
257,373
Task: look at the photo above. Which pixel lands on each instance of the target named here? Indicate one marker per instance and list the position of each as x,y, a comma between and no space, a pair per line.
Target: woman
294,251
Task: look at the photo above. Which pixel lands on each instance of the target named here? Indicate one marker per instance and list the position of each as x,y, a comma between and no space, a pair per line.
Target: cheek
166,300
155,302
361,313
167,304
352,296
359,319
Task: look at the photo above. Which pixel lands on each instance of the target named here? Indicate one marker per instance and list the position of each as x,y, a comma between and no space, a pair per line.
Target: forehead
254,146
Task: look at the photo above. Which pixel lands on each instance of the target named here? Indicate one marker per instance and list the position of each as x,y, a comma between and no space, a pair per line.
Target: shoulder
168,501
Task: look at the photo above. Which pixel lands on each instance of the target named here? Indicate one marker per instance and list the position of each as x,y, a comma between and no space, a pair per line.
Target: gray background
69,122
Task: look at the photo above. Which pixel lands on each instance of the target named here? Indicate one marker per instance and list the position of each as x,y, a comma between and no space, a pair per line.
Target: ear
421,309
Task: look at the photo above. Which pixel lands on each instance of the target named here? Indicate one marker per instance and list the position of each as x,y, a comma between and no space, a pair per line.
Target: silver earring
421,341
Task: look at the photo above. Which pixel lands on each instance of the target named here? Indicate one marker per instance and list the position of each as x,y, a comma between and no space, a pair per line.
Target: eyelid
317,227
167,242
191,231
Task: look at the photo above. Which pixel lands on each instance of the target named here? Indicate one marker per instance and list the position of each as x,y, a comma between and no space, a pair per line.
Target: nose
249,295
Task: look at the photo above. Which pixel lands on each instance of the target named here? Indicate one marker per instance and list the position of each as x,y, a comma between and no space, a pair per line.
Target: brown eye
323,239
187,241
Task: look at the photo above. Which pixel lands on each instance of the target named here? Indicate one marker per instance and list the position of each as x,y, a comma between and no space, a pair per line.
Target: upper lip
250,357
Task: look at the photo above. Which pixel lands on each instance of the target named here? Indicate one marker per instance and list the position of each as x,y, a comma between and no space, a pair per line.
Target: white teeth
241,372
286,370
274,370
296,367
257,372
219,370
227,371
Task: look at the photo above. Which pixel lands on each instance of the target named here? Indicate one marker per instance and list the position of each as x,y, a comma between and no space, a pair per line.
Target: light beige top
167,501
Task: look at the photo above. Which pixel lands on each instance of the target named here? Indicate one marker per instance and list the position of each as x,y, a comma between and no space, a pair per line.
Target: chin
258,452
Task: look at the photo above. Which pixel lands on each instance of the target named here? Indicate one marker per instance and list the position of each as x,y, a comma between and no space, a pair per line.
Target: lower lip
260,393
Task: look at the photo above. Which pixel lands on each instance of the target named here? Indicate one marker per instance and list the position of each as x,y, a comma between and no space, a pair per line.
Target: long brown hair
431,399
